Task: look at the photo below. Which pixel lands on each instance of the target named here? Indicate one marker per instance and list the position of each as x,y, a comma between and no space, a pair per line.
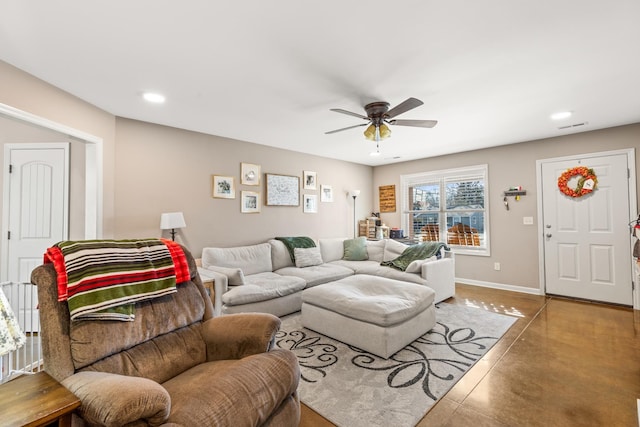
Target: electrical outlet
527,220
496,266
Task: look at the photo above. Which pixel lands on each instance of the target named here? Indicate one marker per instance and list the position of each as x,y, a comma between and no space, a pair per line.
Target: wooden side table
36,400
208,285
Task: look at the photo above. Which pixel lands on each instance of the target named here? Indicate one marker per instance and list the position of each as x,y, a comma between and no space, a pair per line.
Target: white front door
586,239
37,211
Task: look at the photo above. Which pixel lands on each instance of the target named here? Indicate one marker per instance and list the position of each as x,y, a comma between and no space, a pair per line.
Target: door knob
548,234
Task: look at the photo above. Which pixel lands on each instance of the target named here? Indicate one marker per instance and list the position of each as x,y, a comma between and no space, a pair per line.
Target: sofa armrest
220,286
235,336
116,400
440,276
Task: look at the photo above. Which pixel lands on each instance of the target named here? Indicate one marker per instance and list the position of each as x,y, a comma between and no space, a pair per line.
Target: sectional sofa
266,277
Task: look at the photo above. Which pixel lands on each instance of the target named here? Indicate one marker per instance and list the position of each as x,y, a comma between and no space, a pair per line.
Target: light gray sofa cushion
416,266
317,274
280,257
375,249
391,273
262,287
251,259
235,276
332,249
358,267
393,249
307,257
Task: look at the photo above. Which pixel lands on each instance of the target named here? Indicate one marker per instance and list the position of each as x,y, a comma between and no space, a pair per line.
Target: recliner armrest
234,336
116,400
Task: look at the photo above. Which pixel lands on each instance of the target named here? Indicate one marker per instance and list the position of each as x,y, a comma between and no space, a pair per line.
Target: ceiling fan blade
416,123
350,127
340,110
403,107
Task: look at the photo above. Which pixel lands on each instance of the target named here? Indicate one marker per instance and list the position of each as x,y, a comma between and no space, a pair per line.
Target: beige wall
27,93
513,245
164,169
18,132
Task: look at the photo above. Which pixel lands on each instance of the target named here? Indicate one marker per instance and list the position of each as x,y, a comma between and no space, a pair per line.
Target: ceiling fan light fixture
385,132
370,132
561,115
155,98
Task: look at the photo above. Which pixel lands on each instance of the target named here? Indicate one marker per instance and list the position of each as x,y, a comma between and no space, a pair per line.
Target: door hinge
8,235
10,168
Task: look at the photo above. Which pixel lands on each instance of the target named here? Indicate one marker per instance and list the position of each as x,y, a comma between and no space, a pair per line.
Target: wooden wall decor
387,198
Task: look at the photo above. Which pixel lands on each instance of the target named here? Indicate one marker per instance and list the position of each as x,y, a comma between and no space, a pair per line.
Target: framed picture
326,193
249,174
282,190
250,202
309,180
223,187
310,203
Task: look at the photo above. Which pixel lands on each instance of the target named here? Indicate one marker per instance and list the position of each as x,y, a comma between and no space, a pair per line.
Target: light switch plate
527,220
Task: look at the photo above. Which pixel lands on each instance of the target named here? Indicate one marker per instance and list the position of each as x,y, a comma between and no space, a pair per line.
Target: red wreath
585,174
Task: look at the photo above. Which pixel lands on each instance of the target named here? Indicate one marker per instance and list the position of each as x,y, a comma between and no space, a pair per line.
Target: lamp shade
171,220
11,337
385,132
370,132
355,193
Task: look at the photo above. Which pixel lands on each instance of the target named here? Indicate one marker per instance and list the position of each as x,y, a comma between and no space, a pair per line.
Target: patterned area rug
353,388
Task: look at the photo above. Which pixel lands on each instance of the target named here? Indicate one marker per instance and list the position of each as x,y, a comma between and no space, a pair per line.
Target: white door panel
586,250
37,211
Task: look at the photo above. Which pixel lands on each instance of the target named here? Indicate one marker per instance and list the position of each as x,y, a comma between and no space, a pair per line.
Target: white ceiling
491,72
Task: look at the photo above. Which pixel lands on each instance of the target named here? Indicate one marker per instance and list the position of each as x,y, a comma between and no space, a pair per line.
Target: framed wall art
223,187
249,174
326,193
282,190
387,198
310,203
309,180
249,202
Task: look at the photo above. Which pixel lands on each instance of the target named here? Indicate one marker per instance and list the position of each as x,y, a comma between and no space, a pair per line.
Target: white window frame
411,180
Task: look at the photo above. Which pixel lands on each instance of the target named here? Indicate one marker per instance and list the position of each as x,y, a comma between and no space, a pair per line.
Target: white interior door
37,210
586,240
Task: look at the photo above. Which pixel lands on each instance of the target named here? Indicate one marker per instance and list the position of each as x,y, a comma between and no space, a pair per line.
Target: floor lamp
354,194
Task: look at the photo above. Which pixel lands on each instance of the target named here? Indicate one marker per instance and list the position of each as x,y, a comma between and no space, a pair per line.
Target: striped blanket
102,279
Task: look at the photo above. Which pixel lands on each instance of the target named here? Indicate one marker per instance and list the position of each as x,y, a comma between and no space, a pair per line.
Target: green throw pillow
355,249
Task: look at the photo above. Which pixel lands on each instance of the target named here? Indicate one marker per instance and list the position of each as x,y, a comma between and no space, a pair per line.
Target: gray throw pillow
355,249
307,257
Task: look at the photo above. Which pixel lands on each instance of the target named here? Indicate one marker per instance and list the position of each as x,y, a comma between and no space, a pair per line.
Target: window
448,206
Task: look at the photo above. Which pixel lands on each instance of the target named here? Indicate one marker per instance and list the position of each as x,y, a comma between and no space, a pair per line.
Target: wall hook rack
515,192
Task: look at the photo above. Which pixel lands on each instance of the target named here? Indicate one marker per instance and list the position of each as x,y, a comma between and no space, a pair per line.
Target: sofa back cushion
280,257
375,250
251,259
331,249
393,249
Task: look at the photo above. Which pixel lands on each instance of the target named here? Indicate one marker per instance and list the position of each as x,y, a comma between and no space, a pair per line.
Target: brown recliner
173,365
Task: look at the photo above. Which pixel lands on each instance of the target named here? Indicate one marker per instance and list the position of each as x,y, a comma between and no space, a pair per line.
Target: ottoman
375,314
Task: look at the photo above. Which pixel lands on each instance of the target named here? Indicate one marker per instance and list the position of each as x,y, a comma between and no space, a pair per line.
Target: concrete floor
563,363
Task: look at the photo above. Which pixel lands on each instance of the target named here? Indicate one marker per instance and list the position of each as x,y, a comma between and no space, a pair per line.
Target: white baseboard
501,286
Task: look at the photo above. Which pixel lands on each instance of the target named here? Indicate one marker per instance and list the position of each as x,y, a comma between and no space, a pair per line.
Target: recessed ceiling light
561,115
153,97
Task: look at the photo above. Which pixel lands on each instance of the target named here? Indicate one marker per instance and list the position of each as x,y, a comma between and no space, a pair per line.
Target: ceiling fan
379,116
